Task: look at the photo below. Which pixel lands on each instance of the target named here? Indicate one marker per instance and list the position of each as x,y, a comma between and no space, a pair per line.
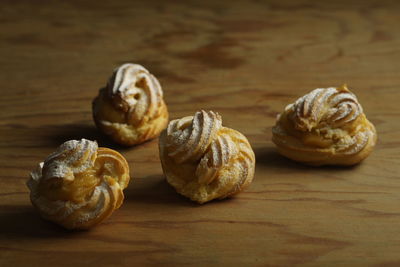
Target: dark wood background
244,59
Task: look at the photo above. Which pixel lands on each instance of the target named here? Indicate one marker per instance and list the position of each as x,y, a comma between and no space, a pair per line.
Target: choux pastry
131,109
325,127
204,160
79,185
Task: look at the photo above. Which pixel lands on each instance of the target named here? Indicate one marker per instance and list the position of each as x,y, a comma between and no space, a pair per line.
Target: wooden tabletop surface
243,59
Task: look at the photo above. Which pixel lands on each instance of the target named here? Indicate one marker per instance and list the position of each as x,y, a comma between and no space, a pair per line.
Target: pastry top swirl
188,138
335,107
79,185
70,158
135,91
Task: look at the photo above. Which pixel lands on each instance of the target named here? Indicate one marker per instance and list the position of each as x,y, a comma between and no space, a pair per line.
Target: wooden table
246,60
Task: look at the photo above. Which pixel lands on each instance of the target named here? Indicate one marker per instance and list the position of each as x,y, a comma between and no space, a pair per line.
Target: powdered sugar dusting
134,89
335,105
220,152
64,162
188,141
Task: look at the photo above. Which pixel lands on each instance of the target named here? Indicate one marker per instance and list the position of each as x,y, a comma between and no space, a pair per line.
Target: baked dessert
325,127
203,160
131,109
79,185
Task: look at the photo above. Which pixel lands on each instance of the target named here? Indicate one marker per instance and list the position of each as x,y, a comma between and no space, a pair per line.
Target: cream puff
131,109
79,185
325,127
204,160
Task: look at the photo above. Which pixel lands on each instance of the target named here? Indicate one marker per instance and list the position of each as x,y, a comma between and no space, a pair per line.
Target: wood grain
244,59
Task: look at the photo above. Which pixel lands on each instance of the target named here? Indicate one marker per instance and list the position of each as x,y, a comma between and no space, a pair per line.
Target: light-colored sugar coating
137,88
64,160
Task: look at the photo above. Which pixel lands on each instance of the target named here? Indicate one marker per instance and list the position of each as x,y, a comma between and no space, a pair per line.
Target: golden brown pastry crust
79,185
131,109
325,127
203,160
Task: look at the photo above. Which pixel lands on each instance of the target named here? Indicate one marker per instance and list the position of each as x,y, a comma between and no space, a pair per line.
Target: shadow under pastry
269,157
154,189
20,222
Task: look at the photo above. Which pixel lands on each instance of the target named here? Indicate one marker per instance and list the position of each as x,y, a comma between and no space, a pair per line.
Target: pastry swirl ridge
333,106
79,185
131,109
189,137
142,99
325,127
204,160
